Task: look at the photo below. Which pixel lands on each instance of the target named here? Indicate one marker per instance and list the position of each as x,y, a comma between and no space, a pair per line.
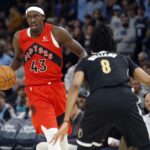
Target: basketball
7,77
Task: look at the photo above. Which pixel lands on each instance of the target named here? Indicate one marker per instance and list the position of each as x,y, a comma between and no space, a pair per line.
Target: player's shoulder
83,61
22,31
16,35
121,56
60,31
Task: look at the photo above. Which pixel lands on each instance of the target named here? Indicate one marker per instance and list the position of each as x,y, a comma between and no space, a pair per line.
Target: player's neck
37,33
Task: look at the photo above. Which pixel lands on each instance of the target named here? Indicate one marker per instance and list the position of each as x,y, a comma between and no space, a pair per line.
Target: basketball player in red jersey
39,47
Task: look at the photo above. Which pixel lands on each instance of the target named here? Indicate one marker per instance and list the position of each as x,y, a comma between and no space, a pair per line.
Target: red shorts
48,104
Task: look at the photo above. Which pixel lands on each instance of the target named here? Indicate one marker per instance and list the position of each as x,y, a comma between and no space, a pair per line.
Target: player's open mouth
33,26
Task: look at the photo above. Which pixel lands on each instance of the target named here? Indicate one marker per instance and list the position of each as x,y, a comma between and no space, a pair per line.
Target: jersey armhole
28,32
54,40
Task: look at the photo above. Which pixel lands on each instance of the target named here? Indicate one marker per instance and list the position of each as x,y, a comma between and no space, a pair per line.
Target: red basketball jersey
42,58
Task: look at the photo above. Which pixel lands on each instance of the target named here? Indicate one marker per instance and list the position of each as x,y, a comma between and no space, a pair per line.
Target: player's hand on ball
63,130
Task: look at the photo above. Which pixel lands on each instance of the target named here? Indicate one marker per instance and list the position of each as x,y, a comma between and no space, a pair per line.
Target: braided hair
102,39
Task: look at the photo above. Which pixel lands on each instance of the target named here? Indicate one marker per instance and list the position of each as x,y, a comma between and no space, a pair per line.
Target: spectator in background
21,102
125,37
98,16
15,20
81,9
77,23
88,33
109,7
131,13
87,21
6,111
115,22
140,29
146,4
3,20
147,116
146,67
139,93
72,10
82,96
125,5
79,35
142,57
146,41
69,77
95,4
5,59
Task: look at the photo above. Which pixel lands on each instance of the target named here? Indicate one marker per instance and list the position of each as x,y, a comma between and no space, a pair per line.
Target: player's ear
43,17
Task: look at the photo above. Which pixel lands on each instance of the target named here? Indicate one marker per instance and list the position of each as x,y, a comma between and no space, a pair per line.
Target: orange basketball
7,77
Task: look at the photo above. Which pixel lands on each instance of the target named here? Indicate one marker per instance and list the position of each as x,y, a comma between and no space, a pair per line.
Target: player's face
35,21
147,102
81,102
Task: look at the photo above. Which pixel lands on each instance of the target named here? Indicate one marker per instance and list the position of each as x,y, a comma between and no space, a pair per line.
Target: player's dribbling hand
63,130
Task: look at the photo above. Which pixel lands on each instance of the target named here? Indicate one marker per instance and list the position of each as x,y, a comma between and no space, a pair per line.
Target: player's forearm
141,76
71,99
16,64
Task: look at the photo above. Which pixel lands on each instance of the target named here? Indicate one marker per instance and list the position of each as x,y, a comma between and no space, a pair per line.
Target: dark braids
102,39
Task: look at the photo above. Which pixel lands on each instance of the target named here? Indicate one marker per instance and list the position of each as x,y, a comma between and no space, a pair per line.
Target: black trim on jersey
46,53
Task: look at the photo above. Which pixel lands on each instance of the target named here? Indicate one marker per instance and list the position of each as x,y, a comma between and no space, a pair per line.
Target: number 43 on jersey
38,65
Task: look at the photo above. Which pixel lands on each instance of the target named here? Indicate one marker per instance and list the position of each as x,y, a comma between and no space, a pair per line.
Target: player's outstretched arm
17,61
71,99
140,75
73,93
64,38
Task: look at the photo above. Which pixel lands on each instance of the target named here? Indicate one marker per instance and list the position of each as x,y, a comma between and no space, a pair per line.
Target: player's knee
49,132
42,146
49,135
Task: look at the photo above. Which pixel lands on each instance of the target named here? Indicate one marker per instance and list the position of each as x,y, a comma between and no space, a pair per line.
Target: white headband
35,8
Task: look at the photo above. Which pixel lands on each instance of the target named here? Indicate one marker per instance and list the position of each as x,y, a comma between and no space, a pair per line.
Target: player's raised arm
64,38
17,61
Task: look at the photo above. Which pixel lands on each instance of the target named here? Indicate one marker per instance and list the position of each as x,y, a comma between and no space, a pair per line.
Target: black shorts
112,107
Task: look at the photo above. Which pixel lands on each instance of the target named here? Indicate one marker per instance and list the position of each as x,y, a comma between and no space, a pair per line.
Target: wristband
66,121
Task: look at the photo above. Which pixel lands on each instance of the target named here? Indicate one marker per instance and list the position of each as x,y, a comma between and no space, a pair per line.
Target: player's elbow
76,86
83,54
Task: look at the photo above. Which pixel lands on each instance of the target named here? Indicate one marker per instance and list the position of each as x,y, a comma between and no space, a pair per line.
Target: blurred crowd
130,21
